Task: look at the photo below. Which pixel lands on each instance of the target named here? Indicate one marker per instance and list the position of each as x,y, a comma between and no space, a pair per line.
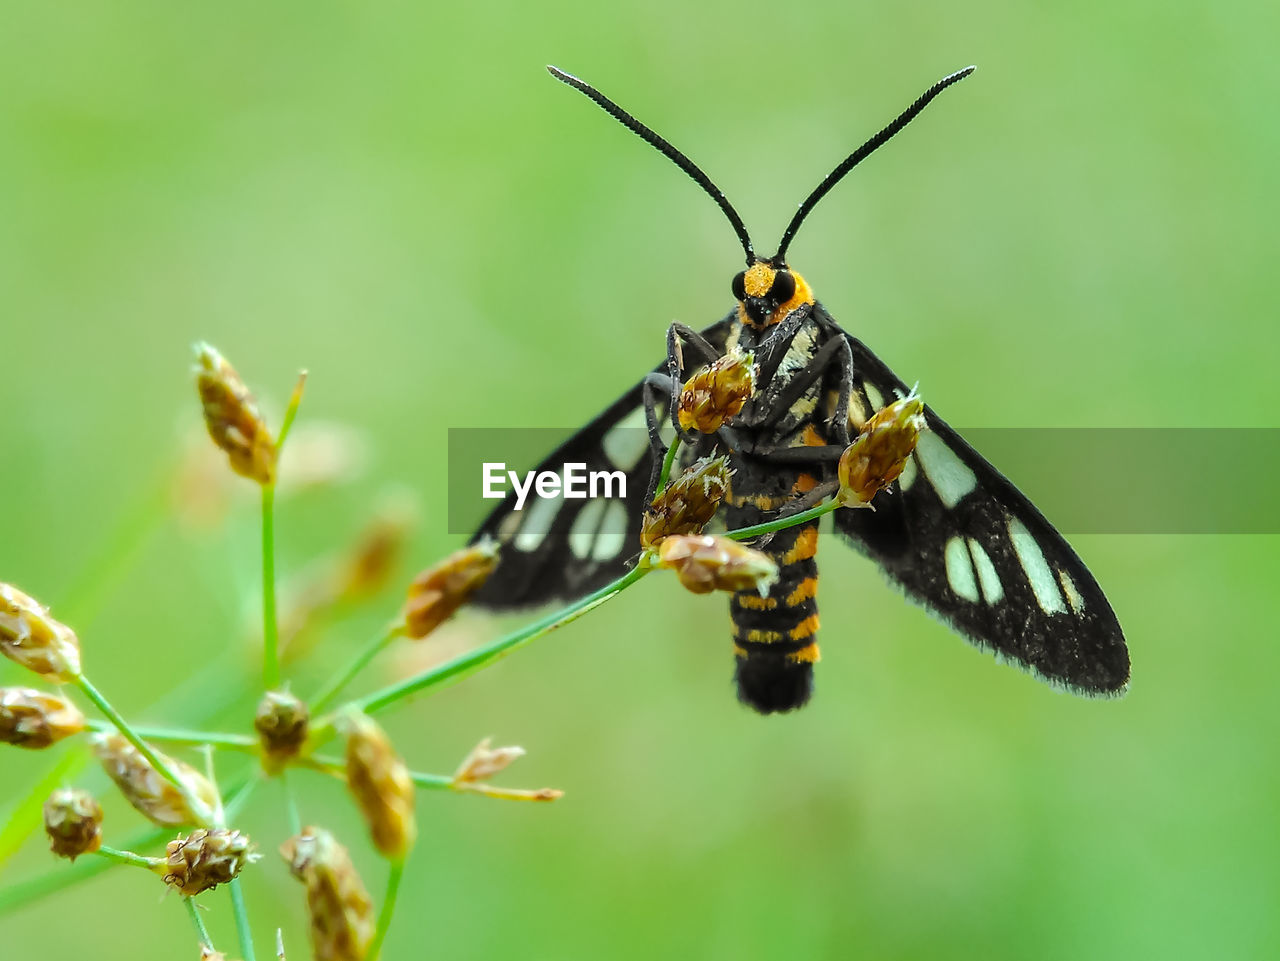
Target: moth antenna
861,154
675,156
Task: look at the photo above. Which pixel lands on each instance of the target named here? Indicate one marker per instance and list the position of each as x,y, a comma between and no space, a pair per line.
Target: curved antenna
861,154
671,153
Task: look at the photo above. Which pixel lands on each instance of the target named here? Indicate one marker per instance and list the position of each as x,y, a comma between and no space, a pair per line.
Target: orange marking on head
802,296
806,628
805,547
804,591
758,279
808,654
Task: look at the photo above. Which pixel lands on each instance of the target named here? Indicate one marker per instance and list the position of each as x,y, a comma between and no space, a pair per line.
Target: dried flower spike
204,859
35,640
73,821
281,722
232,417
440,590
878,455
380,783
704,564
717,392
484,762
34,719
688,502
147,789
338,906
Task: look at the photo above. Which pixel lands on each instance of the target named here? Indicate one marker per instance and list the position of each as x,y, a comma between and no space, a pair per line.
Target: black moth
952,532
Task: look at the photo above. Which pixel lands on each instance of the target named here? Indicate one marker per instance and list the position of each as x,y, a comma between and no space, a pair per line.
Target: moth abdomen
775,637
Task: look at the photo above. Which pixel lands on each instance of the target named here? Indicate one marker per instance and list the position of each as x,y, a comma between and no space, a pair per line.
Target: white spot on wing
874,397
582,535
1073,595
538,518
960,570
1034,565
949,476
988,579
613,532
626,441
909,474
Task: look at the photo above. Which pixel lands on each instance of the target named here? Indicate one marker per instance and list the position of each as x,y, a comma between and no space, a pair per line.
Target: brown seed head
440,590
73,821
369,562
688,502
232,417
35,640
484,762
338,906
34,719
717,392
281,722
878,455
380,783
704,564
205,859
147,789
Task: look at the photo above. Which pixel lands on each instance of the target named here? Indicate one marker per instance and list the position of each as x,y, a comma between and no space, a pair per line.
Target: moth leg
700,345
656,389
824,454
836,350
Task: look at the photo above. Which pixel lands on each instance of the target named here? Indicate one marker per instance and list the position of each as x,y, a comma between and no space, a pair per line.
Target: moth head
767,292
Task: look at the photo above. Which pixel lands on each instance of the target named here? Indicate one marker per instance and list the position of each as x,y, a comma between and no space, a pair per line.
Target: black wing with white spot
557,549
965,543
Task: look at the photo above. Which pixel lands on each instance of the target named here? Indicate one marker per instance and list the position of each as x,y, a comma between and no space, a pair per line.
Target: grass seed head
688,502
440,590
879,453
233,419
204,859
29,636
73,822
716,393
704,563
34,719
380,783
339,909
282,723
149,791
484,762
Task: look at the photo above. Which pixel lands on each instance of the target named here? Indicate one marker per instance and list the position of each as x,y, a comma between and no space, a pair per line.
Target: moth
951,532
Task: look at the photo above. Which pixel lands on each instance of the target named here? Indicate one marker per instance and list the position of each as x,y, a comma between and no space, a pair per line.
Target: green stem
290,803
472,661
340,680
239,742
388,908
242,921
667,463
784,522
127,857
270,629
198,807
201,931
291,411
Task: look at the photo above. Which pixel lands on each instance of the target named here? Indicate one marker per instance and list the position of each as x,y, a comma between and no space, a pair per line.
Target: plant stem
481,657
198,807
667,463
242,921
291,803
388,908
127,857
340,680
784,522
201,931
270,629
239,742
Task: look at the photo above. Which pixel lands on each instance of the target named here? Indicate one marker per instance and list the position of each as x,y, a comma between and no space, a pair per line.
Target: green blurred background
397,197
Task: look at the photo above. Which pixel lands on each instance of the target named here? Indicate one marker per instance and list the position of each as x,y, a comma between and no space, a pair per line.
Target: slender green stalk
270,627
472,661
238,797
238,742
357,664
388,908
667,463
127,857
197,806
242,921
290,803
291,411
784,522
201,931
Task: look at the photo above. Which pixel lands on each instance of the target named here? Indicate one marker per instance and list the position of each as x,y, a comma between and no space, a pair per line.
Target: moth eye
783,288
740,286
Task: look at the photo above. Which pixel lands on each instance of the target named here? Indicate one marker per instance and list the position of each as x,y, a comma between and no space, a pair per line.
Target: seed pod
34,719
380,783
688,502
439,591
232,417
149,791
704,564
717,392
281,722
338,906
35,640
204,859
73,821
878,455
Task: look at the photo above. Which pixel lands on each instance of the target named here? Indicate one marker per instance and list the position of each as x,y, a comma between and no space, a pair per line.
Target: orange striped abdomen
775,637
